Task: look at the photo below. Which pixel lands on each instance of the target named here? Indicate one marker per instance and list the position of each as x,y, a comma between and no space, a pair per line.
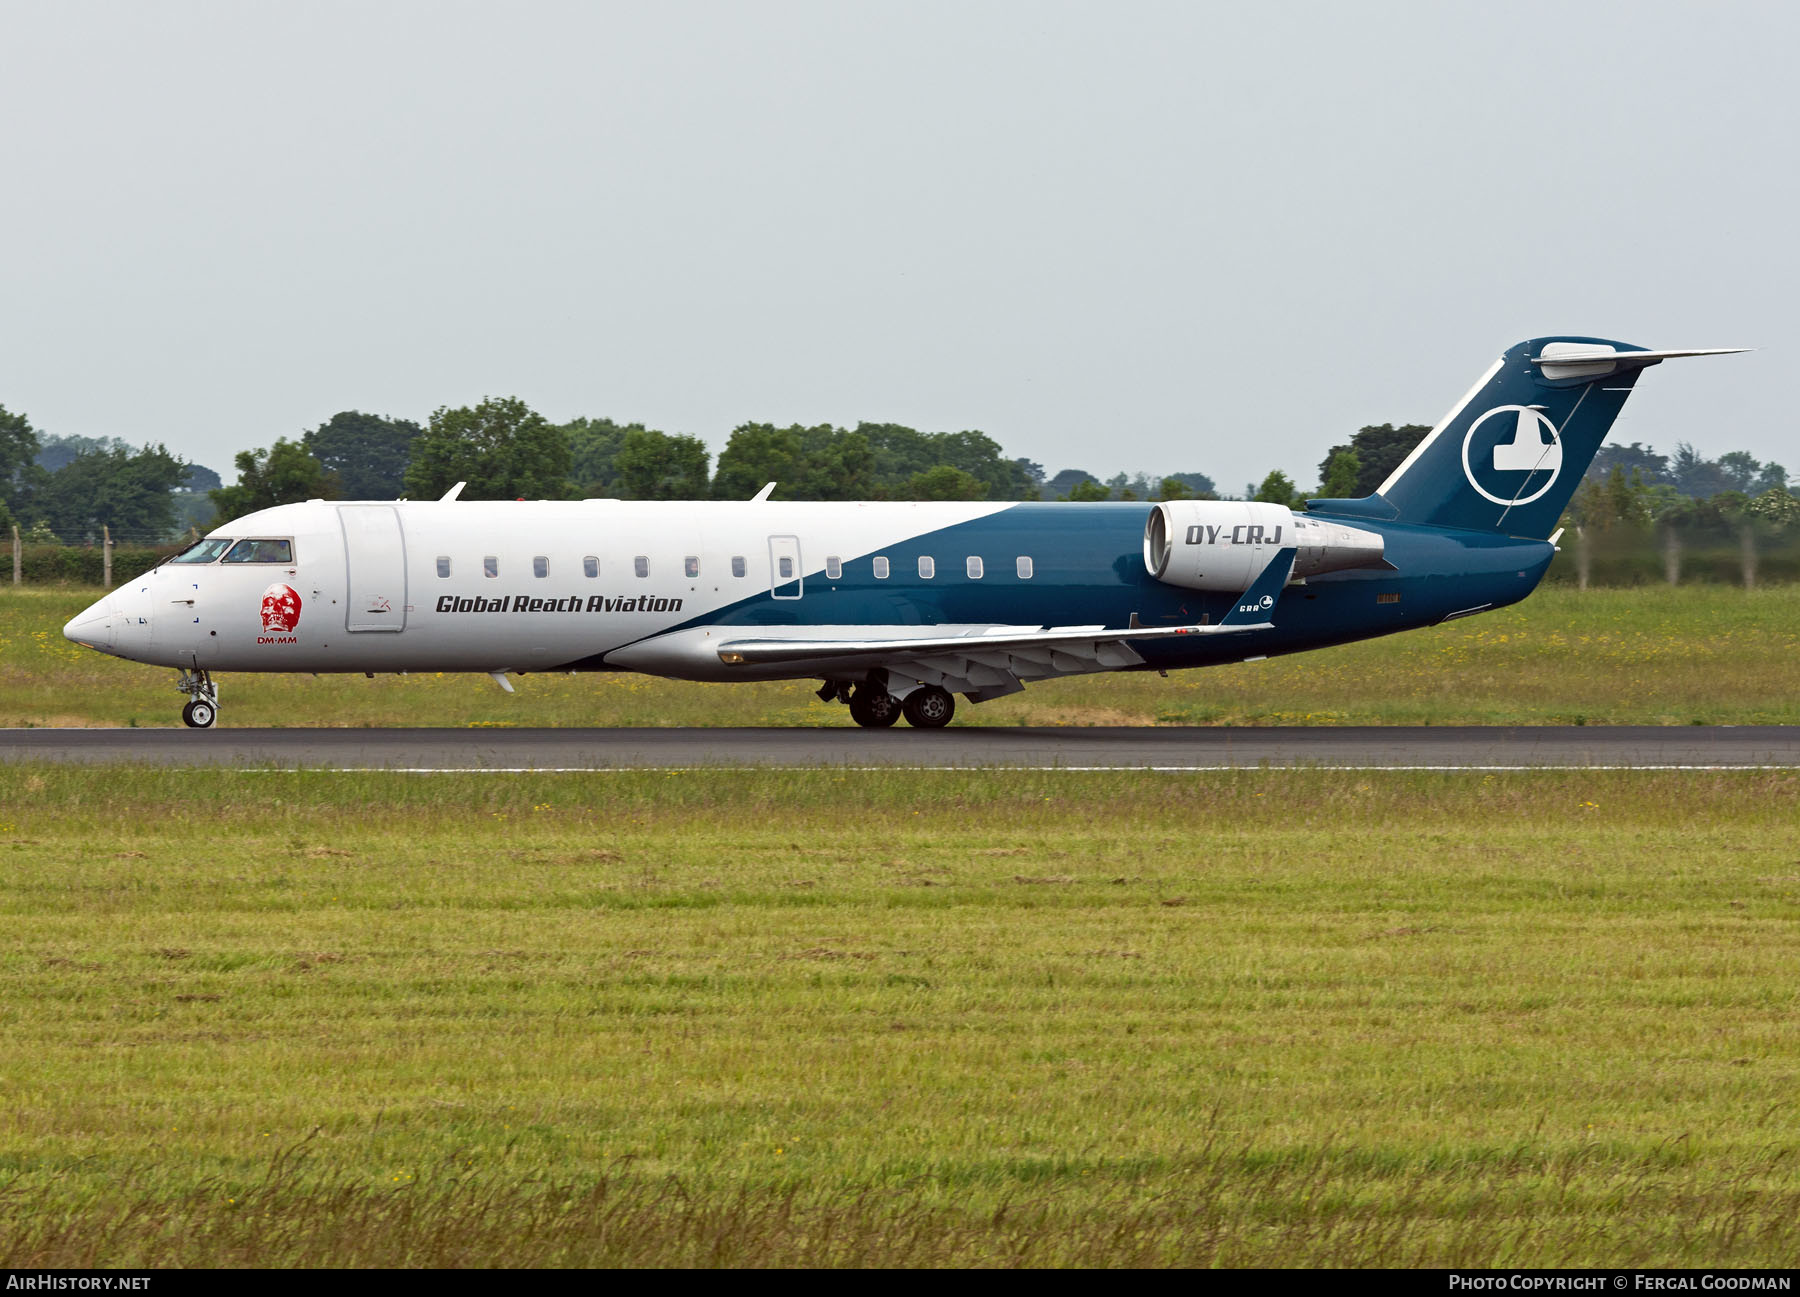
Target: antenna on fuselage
452,493
762,494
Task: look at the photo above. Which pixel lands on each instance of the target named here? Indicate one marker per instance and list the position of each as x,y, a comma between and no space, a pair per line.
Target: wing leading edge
979,663
986,640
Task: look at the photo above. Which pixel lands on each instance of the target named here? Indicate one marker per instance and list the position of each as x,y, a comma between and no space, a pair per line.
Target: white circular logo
1516,447
1268,601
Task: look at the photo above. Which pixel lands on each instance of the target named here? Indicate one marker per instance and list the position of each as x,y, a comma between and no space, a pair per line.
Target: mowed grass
1655,656
817,1018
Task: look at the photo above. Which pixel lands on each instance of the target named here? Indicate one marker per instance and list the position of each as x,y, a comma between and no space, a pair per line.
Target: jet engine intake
1225,544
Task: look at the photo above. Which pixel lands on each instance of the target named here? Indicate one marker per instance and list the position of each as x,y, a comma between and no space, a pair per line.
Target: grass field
1286,1018
1656,656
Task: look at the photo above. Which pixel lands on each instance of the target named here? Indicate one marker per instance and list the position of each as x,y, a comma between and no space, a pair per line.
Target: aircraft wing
980,663
1251,613
984,641
985,662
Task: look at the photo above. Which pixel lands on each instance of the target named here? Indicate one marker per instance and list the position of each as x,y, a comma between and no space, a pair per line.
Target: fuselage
646,586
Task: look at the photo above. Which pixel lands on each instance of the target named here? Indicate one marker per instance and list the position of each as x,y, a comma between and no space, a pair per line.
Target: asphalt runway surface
1171,749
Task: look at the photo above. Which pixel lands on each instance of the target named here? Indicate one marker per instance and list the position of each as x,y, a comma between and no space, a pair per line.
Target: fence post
18,568
106,556
1748,539
1582,558
1671,555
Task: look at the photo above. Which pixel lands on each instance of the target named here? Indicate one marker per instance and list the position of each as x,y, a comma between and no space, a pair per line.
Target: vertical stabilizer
1509,455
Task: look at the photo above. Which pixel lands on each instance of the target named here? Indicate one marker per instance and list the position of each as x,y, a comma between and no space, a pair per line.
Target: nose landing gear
203,709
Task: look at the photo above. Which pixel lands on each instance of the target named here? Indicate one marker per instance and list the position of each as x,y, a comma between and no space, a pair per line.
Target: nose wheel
203,705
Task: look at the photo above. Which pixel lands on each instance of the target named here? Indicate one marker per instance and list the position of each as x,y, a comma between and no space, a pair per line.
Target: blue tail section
1511,453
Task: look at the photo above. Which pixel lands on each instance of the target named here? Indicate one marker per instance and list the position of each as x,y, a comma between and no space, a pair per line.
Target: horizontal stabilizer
1595,359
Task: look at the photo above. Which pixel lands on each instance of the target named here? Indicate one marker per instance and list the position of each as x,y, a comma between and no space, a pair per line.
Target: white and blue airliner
895,608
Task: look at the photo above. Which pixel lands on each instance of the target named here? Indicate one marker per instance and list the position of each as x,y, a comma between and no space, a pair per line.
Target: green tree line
65,489
68,488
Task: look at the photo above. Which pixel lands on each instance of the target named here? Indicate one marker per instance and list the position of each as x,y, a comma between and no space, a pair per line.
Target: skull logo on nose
280,608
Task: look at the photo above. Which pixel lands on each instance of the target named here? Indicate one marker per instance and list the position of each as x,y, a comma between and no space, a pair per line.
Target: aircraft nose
118,624
94,628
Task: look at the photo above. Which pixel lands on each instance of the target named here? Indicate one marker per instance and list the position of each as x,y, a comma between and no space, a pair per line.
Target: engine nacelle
1225,544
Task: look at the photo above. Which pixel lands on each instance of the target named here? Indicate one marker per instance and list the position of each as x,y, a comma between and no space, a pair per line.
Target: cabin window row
784,566
590,565
973,567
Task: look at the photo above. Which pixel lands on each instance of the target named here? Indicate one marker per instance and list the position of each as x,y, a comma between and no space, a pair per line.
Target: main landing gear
203,707
926,708
874,708
929,708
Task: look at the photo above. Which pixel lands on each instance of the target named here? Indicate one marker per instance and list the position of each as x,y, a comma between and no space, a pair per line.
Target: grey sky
1115,236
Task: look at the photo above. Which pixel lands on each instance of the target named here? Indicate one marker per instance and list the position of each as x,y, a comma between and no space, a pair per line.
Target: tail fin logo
1496,450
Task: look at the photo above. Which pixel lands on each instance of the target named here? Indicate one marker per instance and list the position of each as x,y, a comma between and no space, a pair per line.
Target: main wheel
198,715
929,708
874,708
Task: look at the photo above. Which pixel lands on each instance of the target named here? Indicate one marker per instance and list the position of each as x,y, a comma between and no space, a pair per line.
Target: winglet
452,493
762,494
1254,604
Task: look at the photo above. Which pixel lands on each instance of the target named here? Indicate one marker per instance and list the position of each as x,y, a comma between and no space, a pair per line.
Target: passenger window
490,566
261,551
973,568
590,566
737,565
540,566
881,569
786,566
443,565
927,567
691,565
834,567
641,565
1024,568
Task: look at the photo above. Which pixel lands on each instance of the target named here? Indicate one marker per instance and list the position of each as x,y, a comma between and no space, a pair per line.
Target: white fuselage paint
212,616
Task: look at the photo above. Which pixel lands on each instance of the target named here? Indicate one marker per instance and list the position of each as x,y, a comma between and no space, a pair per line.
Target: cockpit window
202,551
261,551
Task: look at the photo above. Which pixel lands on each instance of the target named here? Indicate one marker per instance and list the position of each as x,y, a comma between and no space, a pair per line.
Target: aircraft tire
198,715
929,708
874,709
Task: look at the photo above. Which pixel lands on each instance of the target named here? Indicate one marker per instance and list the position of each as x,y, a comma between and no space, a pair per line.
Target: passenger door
375,560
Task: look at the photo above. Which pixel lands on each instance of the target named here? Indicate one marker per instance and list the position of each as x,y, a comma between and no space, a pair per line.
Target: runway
1170,749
